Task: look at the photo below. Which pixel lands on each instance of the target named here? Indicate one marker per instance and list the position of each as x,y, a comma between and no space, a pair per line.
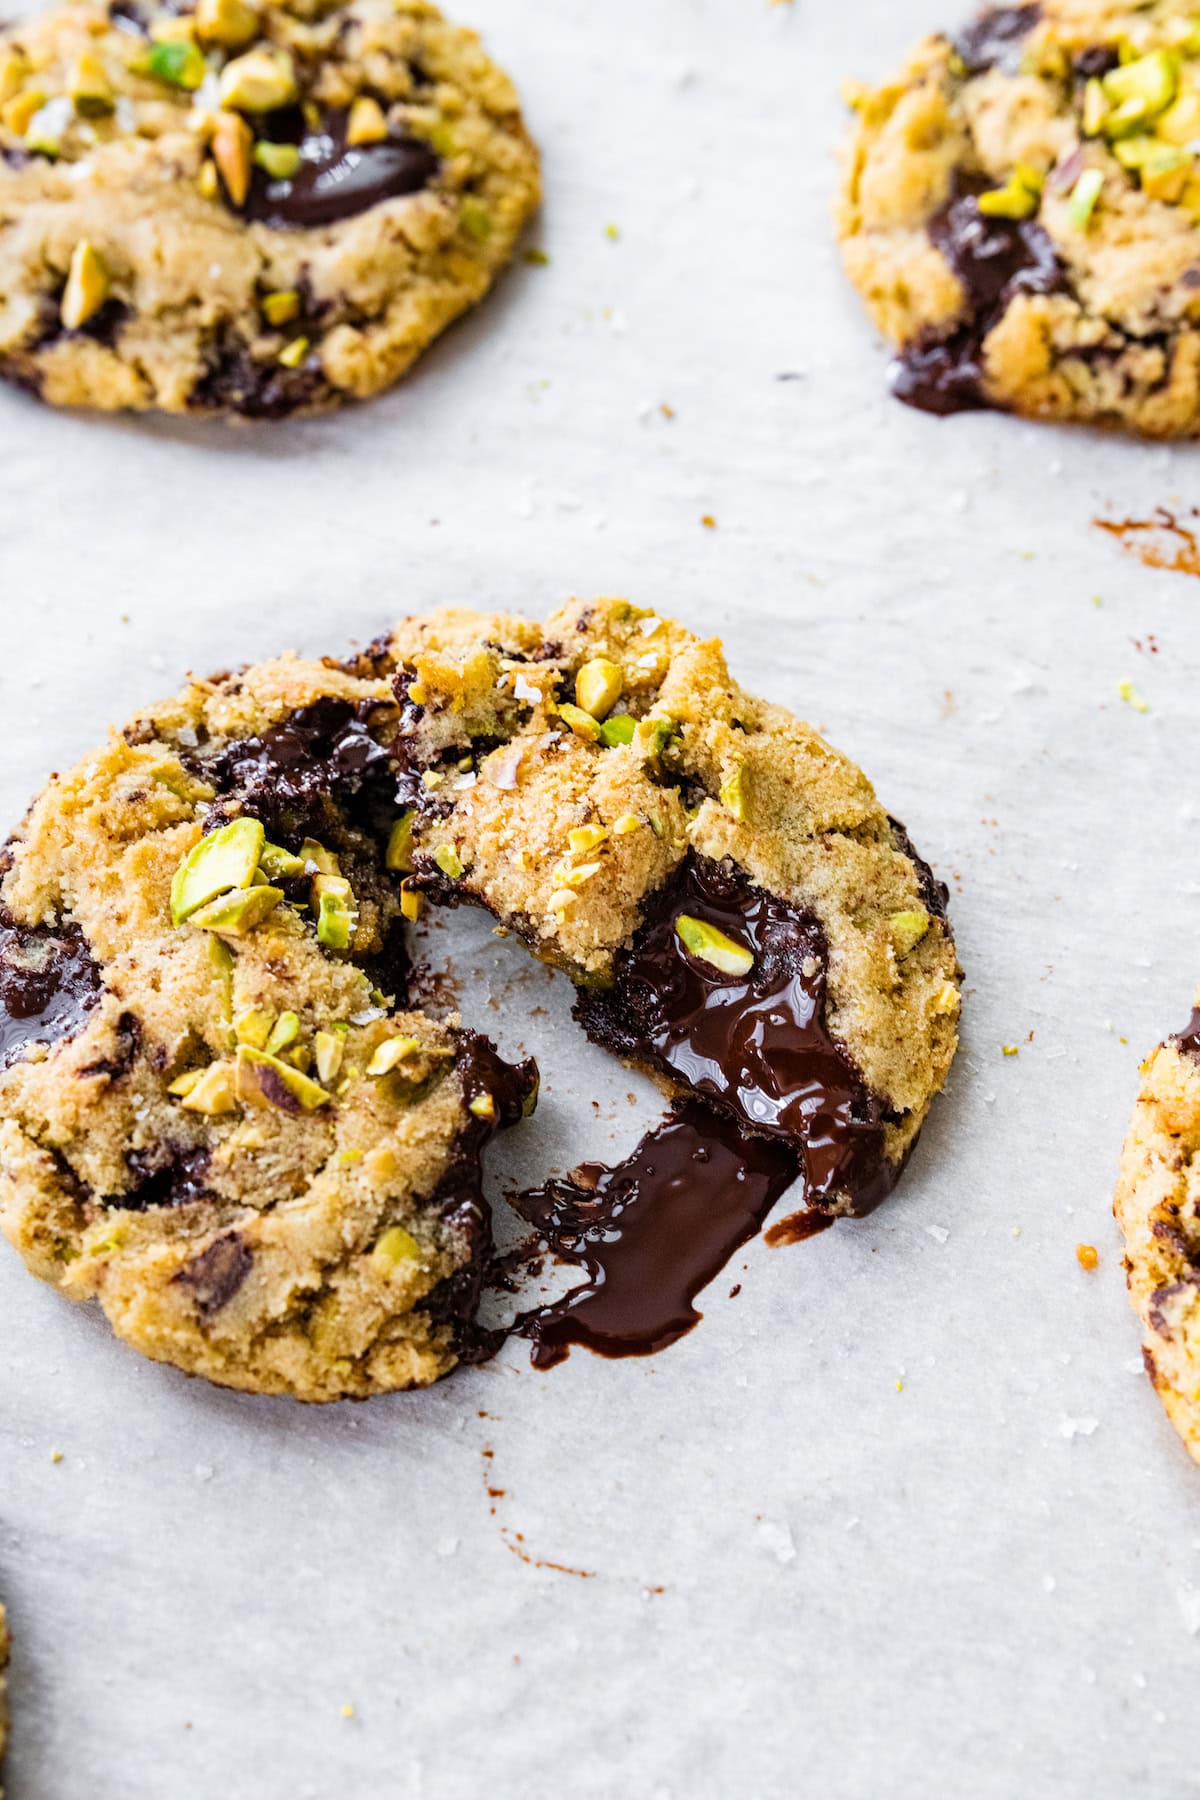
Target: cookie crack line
238,210
222,1114
1020,210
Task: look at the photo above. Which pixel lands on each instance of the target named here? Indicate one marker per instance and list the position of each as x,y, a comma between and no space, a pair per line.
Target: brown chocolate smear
337,180
995,260
48,985
994,37
1161,541
166,1174
651,1233
757,1046
1188,1041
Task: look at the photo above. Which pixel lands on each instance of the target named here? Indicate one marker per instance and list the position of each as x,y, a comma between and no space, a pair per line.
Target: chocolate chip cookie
247,208
1020,209
1156,1207
218,1115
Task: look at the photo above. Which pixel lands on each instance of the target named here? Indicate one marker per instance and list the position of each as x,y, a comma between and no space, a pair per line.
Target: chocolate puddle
654,1230
1188,1040
335,180
48,985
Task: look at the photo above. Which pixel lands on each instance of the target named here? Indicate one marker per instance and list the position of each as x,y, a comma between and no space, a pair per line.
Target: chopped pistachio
562,899
88,286
279,865
238,913
294,353
279,161
529,1104
580,722
626,823
1017,199
617,730
224,859
300,1057
216,1091
391,1053
652,737
733,794
1180,124
266,1081
396,1246
336,922
173,28
712,946
366,123
483,1106
575,874
207,181
281,307
178,64
330,1048
222,962
1165,173
91,90
476,218
598,686
1095,108
253,1027
18,113
232,147
1150,81
585,837
908,928
14,67
284,1033
946,998
229,23
412,903
1128,117
258,82
1083,199
316,856
448,861
183,1084
398,855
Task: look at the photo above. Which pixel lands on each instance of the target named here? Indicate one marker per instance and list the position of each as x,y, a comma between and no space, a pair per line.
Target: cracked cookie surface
1020,210
1158,1194
244,209
217,1115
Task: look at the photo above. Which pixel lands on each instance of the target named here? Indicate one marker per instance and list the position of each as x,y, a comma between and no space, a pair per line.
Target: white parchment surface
903,1519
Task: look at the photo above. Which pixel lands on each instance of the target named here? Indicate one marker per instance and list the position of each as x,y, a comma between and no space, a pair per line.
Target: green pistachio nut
617,730
391,1053
482,1106
396,1246
337,915
225,859
580,722
398,856
284,1033
264,1080
735,797
1148,82
448,861
908,928
239,913
279,865
709,945
329,1048
280,161
1084,196
178,64
598,686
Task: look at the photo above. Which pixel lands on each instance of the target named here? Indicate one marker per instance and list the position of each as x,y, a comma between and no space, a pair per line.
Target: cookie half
235,208
1020,210
741,917
1156,1206
217,1115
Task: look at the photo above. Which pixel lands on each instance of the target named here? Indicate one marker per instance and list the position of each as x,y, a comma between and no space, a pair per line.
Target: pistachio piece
281,307
617,730
908,928
581,723
398,856
330,1050
391,1053
258,82
1165,173
279,161
178,64
316,856
712,946
228,23
396,1246
448,861
284,1033
88,286
293,354
734,794
253,1027
412,904
1149,81
626,823
366,123
232,146
263,1080
1084,196
91,90
238,913
598,686
1095,108
222,962
529,1104
337,917
279,865
224,859
653,737
946,998
476,218
18,113
215,1093
14,67
183,1084
482,1106
207,181
1017,199
1180,124
585,837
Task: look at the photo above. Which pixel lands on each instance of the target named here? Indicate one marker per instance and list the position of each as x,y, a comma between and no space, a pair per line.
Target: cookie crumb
1087,1255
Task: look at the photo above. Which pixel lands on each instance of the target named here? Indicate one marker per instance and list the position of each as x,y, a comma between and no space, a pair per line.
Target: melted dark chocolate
48,985
336,180
288,776
652,1233
1188,1040
757,1045
235,381
217,1273
995,260
994,37
168,1174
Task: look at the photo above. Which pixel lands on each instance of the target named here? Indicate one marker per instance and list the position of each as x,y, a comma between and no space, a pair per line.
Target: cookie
218,1116
247,208
740,916
1020,210
1156,1207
